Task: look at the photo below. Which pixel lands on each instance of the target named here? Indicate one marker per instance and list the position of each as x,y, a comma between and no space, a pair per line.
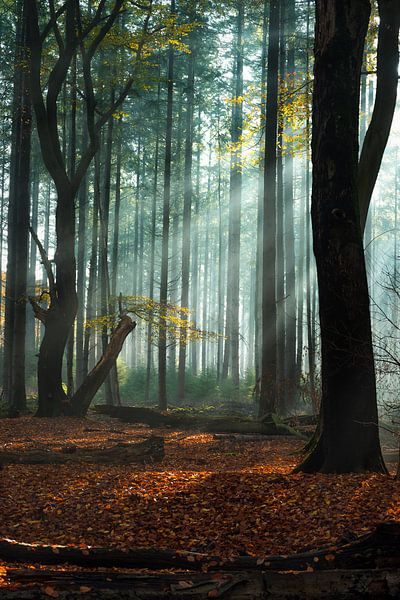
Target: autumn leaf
50,591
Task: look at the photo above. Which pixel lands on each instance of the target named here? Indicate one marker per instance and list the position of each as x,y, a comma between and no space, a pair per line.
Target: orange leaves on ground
211,494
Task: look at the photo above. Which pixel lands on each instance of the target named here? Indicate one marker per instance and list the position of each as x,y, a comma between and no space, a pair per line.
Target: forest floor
218,495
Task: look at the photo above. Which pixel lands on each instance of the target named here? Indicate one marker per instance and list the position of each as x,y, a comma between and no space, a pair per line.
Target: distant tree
349,438
269,313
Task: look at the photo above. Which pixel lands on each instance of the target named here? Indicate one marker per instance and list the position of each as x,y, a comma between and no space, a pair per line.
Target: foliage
221,496
166,319
200,390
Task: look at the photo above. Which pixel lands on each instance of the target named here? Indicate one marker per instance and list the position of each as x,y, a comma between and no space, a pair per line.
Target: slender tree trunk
152,243
280,253
187,217
221,278
232,308
81,275
162,344
260,210
92,283
195,253
269,340
290,290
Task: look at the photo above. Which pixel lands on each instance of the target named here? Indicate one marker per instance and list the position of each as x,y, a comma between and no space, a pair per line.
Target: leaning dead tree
78,36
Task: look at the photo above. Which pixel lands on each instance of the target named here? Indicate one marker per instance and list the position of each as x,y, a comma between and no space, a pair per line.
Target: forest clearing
199,299
216,499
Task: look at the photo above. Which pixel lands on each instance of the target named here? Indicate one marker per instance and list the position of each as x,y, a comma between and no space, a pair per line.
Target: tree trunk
60,315
162,343
290,289
85,394
269,341
18,221
187,217
349,438
235,196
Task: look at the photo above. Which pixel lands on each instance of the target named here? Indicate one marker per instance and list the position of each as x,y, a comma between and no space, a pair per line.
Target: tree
235,194
162,344
58,319
349,439
269,330
18,219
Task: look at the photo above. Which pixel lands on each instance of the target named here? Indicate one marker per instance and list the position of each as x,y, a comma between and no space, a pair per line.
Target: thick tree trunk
61,314
18,220
349,439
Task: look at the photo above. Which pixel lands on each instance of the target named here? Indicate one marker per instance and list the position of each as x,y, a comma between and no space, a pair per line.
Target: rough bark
162,343
85,394
187,217
269,312
235,198
349,439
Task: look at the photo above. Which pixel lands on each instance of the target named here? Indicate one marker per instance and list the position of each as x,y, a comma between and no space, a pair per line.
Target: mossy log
268,425
148,451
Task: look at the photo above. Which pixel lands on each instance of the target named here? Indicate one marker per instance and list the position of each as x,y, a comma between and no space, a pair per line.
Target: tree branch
385,103
46,264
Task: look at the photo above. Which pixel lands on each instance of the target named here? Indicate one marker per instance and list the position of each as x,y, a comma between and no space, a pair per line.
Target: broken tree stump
148,451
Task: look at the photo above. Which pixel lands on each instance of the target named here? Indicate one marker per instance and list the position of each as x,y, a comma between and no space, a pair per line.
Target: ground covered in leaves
213,494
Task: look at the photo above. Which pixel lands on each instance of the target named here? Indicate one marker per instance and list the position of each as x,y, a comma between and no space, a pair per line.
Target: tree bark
187,218
269,312
349,438
162,344
84,395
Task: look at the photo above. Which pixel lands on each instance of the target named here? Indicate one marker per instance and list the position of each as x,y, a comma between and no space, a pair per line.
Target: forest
199,299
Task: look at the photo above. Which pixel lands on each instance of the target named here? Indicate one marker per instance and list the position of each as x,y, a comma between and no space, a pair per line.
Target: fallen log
379,549
148,451
241,585
268,425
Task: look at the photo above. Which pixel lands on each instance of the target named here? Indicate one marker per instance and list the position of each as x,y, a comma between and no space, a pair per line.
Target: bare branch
50,25
46,264
55,27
